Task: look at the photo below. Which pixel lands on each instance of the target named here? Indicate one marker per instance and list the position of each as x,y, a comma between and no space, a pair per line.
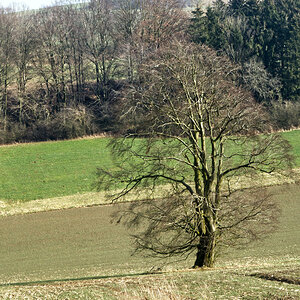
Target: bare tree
24,46
189,133
7,42
100,44
51,54
160,21
77,65
127,18
145,26
263,86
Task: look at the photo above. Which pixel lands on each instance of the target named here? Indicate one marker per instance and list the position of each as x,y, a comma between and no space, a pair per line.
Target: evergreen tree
207,27
281,43
267,31
236,7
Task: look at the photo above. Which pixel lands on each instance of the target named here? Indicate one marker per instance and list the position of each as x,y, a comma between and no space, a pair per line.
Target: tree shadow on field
42,282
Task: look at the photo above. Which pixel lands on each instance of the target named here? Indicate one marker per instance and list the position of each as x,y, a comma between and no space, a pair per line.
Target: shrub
286,115
66,124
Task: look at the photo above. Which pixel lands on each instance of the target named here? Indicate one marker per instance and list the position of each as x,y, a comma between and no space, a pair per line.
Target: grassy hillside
53,169
294,139
80,254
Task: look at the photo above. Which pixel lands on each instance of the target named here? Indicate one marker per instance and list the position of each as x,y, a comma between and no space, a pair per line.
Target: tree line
263,36
63,68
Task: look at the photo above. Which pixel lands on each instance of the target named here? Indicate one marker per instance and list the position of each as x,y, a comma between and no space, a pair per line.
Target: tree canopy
189,132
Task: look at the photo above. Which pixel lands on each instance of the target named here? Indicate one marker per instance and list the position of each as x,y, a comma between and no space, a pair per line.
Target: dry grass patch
191,285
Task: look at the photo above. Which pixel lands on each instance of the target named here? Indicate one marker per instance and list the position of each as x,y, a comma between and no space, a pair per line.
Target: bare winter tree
75,60
7,53
25,42
189,134
100,44
51,54
159,20
127,16
145,26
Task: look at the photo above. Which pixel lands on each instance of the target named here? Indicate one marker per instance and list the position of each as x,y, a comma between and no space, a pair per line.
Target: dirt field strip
82,242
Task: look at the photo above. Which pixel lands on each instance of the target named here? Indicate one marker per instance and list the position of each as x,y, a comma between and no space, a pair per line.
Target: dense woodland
63,69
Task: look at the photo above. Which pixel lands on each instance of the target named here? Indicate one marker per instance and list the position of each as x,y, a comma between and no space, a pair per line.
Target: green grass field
53,169
294,139
50,169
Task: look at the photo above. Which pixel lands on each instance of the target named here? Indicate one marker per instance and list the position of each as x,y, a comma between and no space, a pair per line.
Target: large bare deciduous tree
190,133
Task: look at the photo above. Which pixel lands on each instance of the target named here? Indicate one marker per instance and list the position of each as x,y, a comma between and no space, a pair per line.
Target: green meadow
294,139
50,169
62,168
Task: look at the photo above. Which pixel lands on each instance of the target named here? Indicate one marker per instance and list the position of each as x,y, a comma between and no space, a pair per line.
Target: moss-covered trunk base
205,256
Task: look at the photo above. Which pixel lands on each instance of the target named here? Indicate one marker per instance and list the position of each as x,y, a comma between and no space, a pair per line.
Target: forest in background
63,68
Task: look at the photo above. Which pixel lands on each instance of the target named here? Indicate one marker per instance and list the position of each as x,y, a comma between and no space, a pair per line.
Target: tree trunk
205,256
